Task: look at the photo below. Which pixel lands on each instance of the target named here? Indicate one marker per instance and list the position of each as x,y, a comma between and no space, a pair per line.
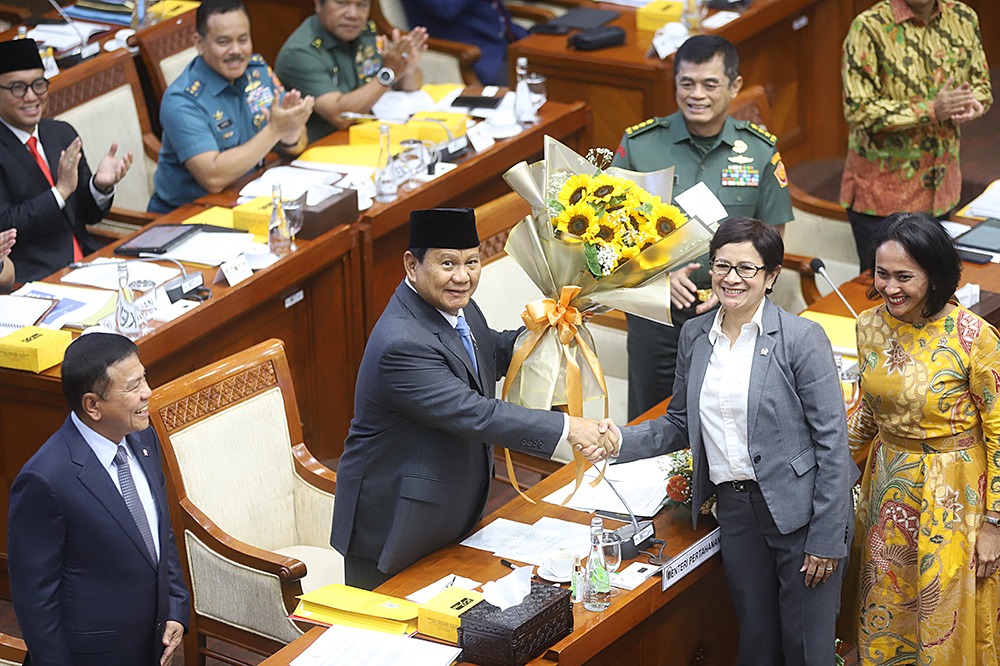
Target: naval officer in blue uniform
224,113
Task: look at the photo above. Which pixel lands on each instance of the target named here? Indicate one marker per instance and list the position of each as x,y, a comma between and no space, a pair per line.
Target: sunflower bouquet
598,239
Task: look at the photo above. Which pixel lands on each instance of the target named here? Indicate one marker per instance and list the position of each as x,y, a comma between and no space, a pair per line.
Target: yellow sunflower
665,218
604,232
574,190
576,220
606,187
630,252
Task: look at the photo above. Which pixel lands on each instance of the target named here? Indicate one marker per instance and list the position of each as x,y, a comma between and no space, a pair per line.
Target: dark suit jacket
796,426
44,233
418,459
85,590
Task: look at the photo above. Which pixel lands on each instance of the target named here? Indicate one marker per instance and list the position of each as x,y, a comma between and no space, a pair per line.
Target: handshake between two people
596,440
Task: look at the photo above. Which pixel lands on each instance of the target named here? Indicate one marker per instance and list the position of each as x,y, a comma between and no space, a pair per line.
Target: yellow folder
353,607
841,330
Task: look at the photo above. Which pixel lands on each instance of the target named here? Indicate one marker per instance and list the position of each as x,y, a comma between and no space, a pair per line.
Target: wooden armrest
12,648
138,218
801,264
152,146
313,471
535,14
14,14
810,204
288,569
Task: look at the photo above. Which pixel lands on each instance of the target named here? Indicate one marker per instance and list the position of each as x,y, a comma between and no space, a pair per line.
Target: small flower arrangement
679,467
614,217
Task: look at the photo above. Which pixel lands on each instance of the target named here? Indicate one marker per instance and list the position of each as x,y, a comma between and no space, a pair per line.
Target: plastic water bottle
524,109
386,187
126,312
277,231
598,593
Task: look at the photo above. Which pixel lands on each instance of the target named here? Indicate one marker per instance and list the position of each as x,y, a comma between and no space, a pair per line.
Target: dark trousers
363,573
863,227
782,622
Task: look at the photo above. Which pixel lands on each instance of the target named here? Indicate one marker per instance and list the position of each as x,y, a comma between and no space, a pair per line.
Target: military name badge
740,175
780,174
740,147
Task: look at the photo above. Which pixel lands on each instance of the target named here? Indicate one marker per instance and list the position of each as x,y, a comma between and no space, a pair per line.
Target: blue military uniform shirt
202,112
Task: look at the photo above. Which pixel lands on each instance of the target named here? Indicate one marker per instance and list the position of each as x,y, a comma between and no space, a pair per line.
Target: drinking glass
537,92
413,155
611,546
294,215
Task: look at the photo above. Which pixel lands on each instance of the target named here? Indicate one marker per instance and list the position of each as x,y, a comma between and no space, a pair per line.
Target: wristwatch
995,522
386,77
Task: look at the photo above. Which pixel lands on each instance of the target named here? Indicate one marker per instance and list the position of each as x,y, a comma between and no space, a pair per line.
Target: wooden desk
644,626
786,46
322,331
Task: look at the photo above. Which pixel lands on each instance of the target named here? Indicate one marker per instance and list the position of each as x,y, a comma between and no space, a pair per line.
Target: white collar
21,135
757,320
103,448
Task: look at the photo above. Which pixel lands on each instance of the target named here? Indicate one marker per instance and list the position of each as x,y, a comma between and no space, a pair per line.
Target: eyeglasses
745,270
19,88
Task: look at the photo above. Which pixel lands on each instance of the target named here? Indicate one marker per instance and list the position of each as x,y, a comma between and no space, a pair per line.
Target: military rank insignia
740,147
740,175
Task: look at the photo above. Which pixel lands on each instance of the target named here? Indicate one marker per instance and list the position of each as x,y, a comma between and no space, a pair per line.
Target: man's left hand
403,57
111,170
172,636
972,110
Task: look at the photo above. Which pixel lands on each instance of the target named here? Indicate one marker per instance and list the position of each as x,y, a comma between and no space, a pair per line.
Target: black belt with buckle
744,486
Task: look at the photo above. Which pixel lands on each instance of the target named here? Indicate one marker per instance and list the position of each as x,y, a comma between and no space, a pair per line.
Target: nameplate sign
234,272
690,558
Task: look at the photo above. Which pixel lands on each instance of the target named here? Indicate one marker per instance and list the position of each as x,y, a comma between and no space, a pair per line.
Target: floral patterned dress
930,411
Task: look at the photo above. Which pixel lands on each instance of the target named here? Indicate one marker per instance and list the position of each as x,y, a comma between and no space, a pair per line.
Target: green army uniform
314,62
744,170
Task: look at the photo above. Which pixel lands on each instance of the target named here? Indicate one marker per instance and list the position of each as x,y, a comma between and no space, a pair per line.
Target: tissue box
439,617
331,212
513,637
34,349
369,133
253,216
651,17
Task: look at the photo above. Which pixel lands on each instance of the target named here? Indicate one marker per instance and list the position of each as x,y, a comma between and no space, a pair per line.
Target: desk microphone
819,268
635,536
179,287
83,49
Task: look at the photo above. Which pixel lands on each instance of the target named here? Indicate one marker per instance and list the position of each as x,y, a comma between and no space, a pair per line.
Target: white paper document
425,594
349,646
316,184
987,204
397,105
642,483
210,249
62,36
528,543
102,273
76,304
701,202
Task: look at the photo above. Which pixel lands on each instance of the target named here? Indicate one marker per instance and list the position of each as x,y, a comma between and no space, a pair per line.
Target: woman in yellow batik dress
927,539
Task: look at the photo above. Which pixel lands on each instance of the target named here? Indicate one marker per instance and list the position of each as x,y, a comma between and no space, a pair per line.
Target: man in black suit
47,191
94,572
418,460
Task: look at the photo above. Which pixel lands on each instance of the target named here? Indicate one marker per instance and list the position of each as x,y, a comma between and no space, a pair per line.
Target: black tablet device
477,102
157,239
983,236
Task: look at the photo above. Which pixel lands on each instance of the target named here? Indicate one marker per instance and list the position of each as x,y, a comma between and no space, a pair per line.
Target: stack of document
16,312
63,37
642,483
528,543
987,204
317,185
353,607
346,646
76,307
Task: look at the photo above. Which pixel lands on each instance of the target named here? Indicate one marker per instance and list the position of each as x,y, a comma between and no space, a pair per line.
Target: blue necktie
463,332
132,500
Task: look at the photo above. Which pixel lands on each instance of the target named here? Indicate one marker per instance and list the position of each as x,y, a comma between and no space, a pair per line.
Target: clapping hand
68,175
7,239
953,103
111,170
403,57
291,115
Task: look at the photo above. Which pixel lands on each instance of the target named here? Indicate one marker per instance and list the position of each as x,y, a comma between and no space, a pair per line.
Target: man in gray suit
417,463
757,399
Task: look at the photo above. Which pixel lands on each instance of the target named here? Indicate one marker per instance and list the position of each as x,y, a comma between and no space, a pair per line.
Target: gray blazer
418,459
797,427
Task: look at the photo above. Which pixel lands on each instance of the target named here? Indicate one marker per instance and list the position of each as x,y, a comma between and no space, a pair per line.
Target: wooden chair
102,99
166,49
251,507
12,650
11,15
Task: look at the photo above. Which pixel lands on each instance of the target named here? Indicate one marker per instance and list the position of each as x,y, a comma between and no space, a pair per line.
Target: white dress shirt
100,198
725,396
105,450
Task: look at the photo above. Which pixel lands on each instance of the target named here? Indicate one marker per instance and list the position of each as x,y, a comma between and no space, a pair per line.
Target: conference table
321,300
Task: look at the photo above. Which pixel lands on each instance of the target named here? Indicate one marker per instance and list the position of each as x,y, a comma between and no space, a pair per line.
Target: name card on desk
234,271
480,137
691,557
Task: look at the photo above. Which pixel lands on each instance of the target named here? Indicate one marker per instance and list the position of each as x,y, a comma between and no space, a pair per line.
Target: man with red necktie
47,191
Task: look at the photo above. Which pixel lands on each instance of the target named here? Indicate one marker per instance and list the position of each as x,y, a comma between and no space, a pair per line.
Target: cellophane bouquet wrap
597,240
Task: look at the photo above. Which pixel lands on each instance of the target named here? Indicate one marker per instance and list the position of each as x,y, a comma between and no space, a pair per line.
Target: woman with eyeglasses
928,518
758,399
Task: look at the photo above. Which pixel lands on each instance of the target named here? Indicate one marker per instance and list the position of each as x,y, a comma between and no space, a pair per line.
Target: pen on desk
508,564
451,581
